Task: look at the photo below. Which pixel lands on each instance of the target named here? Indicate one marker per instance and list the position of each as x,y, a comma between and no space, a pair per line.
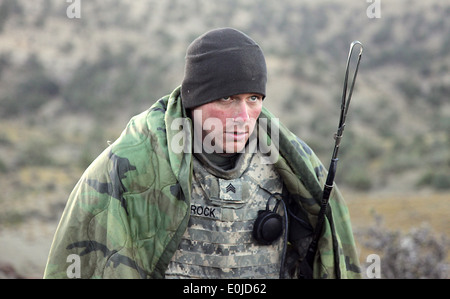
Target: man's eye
226,99
254,98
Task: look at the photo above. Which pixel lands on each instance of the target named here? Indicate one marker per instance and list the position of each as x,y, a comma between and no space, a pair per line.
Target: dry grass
400,212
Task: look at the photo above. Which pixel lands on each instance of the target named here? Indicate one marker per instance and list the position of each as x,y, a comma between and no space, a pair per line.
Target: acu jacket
128,212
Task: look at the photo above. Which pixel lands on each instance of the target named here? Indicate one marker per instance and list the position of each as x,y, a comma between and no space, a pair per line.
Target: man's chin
235,147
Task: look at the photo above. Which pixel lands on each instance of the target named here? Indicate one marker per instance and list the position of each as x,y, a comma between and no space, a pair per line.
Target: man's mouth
236,135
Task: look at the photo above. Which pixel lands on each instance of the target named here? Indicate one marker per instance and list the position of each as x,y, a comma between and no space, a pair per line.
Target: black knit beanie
220,63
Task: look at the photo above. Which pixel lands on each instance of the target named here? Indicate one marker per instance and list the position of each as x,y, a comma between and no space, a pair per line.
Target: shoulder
290,145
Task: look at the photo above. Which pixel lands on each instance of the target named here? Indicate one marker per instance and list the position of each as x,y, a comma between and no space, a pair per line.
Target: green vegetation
398,122
32,88
68,86
418,253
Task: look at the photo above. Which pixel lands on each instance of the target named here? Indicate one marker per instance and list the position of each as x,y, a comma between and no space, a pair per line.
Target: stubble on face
225,125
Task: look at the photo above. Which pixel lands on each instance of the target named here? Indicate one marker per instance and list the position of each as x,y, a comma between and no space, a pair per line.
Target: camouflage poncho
127,214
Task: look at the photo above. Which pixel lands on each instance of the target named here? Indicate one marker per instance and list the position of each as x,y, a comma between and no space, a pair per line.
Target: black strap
307,264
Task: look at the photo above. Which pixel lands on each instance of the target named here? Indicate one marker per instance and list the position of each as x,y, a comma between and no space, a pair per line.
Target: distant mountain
121,56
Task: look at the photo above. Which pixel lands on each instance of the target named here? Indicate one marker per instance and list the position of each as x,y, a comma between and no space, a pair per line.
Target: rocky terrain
73,73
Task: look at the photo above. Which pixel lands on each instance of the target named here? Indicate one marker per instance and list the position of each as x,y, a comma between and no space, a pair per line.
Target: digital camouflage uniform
127,215
218,242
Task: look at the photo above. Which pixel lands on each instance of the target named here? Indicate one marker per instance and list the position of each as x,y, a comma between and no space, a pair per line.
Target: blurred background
72,73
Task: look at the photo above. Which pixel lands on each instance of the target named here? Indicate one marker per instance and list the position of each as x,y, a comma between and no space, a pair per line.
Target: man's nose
241,114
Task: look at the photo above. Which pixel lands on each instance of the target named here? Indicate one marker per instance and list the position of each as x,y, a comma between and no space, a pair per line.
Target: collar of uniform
212,162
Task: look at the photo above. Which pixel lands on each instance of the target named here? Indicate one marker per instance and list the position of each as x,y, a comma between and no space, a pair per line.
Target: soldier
205,184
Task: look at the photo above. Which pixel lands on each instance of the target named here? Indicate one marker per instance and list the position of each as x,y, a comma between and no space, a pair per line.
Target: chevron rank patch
231,190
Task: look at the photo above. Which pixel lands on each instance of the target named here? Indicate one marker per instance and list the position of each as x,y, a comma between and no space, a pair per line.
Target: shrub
417,254
439,180
34,153
33,89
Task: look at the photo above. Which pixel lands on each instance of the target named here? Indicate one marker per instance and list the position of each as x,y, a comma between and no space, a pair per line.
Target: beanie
220,63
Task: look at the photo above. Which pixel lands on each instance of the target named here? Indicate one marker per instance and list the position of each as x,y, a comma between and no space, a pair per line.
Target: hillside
70,85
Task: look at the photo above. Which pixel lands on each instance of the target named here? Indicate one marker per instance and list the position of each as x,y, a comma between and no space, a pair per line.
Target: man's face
226,124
